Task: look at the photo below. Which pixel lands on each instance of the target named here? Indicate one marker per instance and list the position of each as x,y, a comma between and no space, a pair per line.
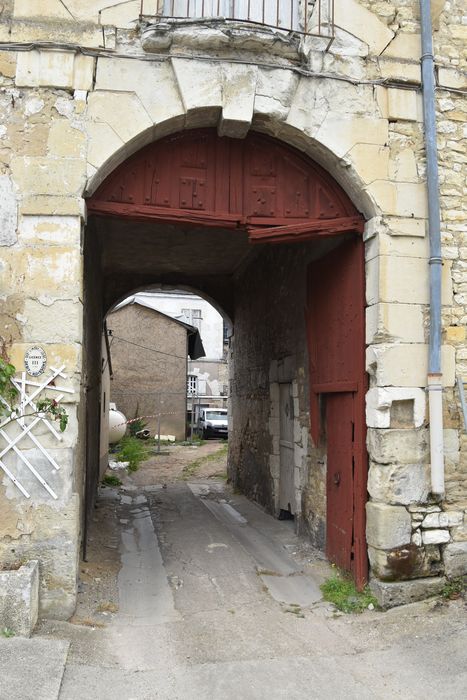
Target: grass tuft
111,480
454,588
131,450
7,632
341,591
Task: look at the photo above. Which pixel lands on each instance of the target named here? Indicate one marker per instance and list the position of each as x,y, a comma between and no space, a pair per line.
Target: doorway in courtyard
268,237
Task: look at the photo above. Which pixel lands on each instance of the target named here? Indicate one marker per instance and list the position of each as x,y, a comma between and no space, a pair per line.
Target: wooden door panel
339,479
336,344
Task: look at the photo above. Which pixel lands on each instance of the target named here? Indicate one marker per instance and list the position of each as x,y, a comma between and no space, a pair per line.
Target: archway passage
185,212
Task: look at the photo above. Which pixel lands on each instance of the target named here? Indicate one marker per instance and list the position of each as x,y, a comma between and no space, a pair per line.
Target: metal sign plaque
35,361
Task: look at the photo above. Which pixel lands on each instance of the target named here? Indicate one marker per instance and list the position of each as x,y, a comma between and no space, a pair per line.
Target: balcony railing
308,17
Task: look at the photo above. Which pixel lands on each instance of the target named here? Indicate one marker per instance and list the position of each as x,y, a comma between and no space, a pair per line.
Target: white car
213,422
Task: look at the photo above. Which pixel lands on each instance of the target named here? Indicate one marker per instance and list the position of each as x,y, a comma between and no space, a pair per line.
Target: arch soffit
259,183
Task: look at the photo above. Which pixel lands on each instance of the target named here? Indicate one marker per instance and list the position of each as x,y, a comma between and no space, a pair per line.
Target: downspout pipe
435,389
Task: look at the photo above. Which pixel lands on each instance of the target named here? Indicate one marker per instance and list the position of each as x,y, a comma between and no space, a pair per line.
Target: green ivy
8,393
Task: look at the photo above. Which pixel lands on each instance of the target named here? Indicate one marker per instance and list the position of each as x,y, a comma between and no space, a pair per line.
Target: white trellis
26,417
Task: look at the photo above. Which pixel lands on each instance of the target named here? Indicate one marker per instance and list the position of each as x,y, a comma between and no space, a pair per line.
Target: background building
208,376
149,352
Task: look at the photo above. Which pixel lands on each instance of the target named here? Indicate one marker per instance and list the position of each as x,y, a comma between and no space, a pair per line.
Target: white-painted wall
211,326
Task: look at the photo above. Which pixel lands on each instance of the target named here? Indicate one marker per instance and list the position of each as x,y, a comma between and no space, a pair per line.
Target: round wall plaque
35,361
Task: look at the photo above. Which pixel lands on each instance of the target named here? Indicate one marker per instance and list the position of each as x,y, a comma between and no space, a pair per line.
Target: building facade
149,353
208,376
282,175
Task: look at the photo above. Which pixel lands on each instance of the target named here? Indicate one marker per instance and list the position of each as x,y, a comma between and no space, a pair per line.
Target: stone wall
71,115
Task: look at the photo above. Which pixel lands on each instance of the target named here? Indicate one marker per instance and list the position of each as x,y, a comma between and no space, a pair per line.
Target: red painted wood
137,212
336,342
306,231
339,479
256,181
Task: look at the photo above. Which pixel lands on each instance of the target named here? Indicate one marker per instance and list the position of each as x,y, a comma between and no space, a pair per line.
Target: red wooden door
336,341
339,478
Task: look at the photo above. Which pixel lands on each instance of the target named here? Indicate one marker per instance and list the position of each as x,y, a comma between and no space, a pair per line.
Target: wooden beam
306,230
144,212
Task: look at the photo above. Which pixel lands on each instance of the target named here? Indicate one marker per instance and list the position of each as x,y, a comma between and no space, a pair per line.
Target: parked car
213,422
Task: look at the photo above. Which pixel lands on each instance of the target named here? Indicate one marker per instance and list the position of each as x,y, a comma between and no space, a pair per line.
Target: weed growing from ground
341,591
111,480
454,588
131,450
7,632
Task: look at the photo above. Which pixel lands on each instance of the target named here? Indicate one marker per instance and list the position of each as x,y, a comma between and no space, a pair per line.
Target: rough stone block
455,559
403,166
64,140
50,204
435,536
399,69
391,594
399,322
435,520
385,244
200,88
50,176
121,15
399,198
83,72
53,271
403,105
280,95
407,364
7,64
239,98
360,22
103,144
398,483
370,161
405,46
387,526
452,78
455,334
8,212
401,446
40,320
123,112
405,226
51,230
340,134
140,78
45,68
379,401
19,599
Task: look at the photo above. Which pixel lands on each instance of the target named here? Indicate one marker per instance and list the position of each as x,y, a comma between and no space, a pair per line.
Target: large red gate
336,342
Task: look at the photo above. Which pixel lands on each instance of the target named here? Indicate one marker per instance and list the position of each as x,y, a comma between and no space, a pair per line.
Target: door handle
337,478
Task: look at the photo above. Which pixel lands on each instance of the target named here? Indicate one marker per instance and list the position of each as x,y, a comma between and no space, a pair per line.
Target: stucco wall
70,116
149,363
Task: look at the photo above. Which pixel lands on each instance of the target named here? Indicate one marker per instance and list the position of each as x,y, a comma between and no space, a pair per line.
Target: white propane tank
117,424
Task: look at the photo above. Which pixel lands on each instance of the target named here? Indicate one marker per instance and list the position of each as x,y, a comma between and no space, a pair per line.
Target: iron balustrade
308,17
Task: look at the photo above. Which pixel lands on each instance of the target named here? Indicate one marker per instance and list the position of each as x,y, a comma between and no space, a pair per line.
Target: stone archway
198,209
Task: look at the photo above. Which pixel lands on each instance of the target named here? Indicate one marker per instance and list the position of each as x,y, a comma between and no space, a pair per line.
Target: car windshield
216,415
